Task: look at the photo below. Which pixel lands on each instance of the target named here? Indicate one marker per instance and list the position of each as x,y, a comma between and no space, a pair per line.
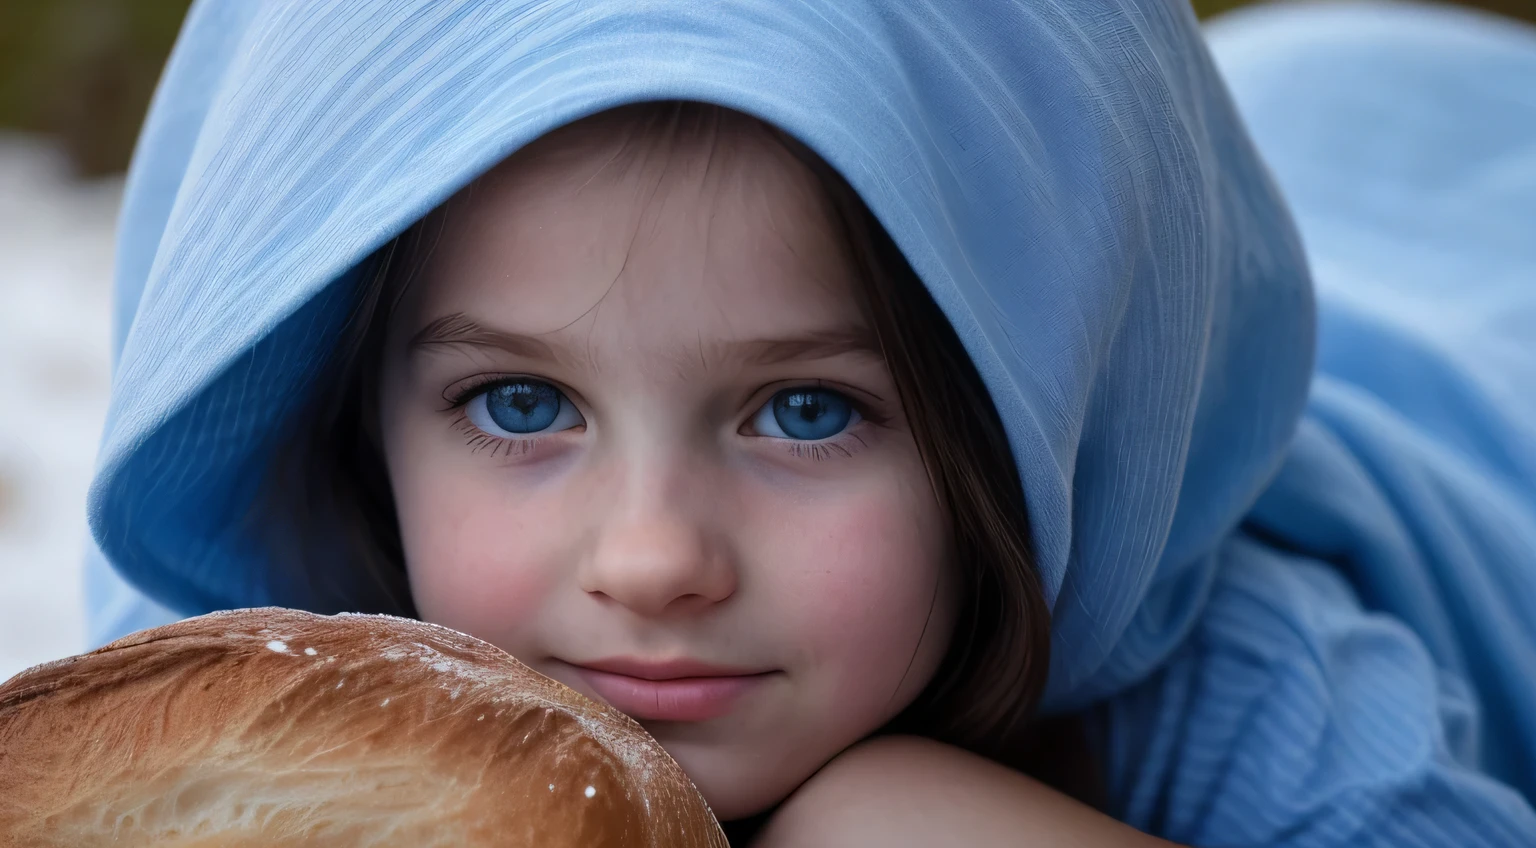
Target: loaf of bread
272,727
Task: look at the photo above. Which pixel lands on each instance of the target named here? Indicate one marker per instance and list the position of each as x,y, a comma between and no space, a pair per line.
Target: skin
648,280
909,792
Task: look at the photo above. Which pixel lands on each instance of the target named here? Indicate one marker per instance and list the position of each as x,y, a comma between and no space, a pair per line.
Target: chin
739,784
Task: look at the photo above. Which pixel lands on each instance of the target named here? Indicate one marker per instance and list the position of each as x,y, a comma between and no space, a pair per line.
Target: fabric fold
1288,537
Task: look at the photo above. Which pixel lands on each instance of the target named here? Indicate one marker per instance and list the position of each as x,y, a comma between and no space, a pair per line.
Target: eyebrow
811,346
459,329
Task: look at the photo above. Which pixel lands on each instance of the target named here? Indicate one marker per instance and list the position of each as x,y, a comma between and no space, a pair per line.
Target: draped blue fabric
1289,542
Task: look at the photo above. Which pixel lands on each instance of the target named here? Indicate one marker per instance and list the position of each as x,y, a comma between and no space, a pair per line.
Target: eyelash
475,438
820,451
478,440
844,444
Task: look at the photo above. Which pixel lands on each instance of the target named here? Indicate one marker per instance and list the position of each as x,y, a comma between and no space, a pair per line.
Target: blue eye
522,408
805,414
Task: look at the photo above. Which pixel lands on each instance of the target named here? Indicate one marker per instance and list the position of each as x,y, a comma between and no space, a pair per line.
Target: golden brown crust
276,727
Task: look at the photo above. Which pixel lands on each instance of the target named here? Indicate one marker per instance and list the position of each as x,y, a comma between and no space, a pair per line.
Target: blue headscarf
1071,180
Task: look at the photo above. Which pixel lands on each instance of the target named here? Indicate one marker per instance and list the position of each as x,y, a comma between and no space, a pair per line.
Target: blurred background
75,79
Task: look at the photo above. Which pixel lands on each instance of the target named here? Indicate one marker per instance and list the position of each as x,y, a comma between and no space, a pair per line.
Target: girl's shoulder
908,790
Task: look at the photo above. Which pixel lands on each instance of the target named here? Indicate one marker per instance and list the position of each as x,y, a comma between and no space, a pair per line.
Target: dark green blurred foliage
83,70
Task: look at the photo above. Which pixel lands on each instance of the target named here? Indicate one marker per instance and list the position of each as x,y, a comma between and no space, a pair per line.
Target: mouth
674,690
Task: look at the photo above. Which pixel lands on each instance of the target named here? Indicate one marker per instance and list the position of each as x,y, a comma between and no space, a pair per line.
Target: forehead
646,229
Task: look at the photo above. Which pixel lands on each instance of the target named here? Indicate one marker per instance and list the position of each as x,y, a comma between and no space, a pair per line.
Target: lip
679,690
672,669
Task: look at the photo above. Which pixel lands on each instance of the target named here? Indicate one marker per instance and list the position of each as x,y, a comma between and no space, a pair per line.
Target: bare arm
907,791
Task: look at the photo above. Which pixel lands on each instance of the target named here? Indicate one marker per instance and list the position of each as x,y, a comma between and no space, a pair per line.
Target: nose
653,557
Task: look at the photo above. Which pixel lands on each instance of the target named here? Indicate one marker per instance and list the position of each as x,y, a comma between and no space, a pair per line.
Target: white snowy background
56,237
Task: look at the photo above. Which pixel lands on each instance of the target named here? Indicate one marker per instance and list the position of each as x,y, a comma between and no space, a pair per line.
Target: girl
829,385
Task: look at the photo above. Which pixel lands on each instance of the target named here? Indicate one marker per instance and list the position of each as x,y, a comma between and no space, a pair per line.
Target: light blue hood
1069,178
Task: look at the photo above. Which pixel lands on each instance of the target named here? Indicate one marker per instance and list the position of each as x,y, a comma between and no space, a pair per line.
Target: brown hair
985,691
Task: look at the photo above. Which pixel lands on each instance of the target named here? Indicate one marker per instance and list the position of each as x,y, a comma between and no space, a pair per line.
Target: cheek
476,562
869,597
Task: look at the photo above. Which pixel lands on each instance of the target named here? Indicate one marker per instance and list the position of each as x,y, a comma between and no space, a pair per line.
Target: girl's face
640,435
